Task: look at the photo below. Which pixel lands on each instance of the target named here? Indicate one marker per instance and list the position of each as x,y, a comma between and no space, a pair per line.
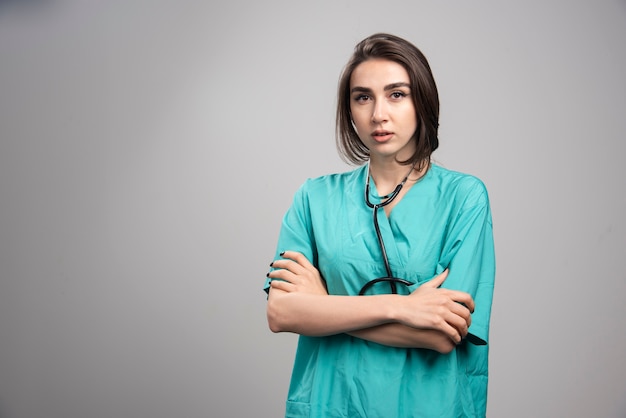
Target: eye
361,98
398,95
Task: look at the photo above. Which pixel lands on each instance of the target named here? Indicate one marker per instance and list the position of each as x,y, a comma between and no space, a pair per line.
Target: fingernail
281,254
267,275
272,264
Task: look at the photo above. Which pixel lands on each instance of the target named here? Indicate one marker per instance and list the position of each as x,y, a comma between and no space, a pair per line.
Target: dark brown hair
423,93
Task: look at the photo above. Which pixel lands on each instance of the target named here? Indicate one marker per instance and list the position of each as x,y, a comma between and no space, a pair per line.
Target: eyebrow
388,87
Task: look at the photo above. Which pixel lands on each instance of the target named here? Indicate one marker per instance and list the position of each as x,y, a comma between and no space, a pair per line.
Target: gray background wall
148,150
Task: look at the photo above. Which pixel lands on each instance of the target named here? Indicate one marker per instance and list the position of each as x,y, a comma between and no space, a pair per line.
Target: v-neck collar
373,191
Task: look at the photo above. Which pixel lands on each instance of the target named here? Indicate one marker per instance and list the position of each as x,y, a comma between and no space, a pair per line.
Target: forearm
371,318
321,315
295,305
398,335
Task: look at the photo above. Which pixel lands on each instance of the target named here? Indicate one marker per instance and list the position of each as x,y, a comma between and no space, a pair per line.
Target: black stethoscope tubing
388,199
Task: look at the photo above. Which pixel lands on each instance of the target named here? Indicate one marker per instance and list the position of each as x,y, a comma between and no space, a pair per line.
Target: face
382,109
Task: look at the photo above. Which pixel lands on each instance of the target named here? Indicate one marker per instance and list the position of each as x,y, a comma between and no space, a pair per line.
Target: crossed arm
430,317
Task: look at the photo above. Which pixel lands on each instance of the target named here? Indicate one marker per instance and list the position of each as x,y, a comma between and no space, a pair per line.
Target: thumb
438,280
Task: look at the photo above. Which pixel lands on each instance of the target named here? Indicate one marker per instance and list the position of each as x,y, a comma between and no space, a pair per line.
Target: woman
387,271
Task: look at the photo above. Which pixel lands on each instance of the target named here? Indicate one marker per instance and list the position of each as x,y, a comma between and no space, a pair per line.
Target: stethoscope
385,200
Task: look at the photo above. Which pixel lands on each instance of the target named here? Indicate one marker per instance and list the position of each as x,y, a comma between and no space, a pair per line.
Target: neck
388,176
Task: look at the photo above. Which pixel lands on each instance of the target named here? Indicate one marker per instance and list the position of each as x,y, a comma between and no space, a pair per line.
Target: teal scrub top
443,221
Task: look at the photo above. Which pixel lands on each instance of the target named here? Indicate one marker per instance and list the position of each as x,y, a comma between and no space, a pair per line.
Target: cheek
360,116
410,119
355,118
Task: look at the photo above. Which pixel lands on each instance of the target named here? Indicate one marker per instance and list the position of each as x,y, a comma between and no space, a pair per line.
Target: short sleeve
470,256
296,233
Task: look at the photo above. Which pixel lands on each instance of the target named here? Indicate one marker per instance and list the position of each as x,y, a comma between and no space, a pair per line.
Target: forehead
378,73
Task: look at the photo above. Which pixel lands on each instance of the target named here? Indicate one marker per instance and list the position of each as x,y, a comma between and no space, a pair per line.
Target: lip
381,135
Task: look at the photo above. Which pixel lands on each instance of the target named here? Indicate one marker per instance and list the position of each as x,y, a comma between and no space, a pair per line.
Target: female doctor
386,271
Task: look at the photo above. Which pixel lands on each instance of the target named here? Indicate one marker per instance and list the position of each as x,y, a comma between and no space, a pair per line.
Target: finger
437,281
283,274
452,332
461,311
282,285
298,258
460,326
453,319
464,299
444,321
289,265
460,297
460,318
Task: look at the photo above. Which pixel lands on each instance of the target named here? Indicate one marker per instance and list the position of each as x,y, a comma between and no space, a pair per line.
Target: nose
380,112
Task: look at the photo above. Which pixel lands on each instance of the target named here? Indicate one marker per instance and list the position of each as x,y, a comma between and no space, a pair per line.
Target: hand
445,310
297,274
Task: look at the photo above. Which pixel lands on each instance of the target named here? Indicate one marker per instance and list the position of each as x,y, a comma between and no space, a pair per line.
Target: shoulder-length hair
423,93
